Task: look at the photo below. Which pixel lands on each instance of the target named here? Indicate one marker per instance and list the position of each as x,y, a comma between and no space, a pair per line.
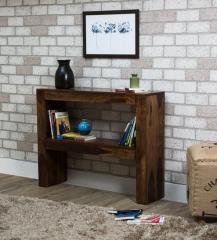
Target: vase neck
134,75
63,62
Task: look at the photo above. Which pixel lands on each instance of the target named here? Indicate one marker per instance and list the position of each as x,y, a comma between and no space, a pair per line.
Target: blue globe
84,127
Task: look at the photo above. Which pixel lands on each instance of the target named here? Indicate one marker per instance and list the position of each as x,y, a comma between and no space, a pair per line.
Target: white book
138,90
124,218
132,132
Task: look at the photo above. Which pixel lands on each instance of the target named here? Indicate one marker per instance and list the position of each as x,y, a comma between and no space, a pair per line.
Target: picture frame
111,34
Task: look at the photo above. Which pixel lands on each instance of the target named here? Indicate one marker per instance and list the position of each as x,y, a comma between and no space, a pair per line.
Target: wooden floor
13,185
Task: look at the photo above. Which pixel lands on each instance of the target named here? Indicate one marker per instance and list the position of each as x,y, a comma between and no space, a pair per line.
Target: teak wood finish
148,153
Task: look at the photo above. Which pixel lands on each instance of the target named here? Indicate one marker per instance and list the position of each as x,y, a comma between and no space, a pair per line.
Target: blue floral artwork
123,27
97,28
110,34
110,28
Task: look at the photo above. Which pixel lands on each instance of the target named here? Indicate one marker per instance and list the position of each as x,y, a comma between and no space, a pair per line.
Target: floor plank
20,186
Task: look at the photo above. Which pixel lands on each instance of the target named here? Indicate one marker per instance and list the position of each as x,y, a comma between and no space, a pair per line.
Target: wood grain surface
148,153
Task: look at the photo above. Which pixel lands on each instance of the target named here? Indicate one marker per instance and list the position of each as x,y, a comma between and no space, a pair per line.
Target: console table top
96,90
93,95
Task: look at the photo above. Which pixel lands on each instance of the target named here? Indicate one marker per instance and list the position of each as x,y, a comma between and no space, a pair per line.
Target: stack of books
128,138
136,216
131,90
60,127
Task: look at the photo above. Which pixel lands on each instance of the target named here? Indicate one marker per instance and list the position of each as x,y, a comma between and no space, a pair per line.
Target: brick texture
178,50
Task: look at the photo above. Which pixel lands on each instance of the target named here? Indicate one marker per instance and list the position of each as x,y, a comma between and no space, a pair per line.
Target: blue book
125,130
124,138
130,134
126,214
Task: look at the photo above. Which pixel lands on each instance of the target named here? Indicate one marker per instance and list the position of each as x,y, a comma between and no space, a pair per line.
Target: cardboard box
202,179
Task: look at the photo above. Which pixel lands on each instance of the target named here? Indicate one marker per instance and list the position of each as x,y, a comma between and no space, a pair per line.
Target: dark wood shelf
98,146
148,153
92,95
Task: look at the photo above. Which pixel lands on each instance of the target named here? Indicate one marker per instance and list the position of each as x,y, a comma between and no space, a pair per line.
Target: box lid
204,151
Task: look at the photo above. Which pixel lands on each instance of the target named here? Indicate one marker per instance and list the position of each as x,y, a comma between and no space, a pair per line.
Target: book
134,137
124,140
126,214
154,219
78,137
128,137
52,120
131,90
62,123
125,130
126,143
114,211
138,90
132,132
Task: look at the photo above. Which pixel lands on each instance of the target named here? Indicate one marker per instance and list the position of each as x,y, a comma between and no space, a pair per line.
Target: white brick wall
65,20
173,51
188,15
174,74
111,73
196,27
199,3
153,5
178,50
175,4
175,27
39,10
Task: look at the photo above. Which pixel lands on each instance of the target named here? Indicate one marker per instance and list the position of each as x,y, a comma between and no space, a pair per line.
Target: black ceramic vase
64,77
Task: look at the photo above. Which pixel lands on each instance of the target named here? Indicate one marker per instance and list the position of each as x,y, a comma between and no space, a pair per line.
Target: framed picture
111,34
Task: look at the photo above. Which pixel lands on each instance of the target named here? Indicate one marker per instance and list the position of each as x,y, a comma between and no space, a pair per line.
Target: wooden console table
148,153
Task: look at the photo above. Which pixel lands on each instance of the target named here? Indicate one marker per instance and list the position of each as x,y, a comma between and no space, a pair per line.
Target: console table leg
150,149
52,165
52,168
141,160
